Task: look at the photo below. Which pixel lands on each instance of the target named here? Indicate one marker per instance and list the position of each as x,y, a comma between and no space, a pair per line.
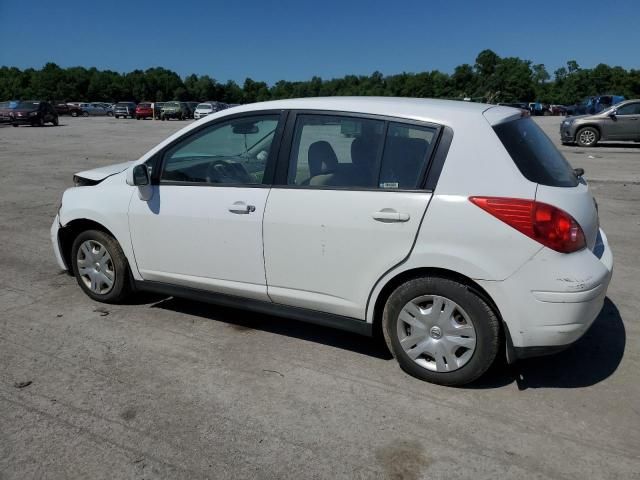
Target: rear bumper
552,300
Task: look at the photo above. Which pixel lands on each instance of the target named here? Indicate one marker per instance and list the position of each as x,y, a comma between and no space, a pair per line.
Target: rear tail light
549,225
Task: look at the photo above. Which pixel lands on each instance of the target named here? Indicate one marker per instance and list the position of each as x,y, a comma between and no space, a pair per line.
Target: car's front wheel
440,331
100,266
587,137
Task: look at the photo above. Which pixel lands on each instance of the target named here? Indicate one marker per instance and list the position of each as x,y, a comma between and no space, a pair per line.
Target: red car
144,110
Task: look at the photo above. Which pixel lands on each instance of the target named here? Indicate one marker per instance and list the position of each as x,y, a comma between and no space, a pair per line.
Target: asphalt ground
167,388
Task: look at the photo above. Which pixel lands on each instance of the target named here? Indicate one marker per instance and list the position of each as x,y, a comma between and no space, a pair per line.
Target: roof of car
426,109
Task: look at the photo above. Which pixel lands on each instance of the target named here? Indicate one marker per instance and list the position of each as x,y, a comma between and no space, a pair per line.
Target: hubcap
587,137
95,267
436,333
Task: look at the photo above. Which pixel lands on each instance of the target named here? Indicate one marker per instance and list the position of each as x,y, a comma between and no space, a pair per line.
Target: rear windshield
534,154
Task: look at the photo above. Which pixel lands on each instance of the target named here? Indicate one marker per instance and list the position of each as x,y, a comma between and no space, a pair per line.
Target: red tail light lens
552,227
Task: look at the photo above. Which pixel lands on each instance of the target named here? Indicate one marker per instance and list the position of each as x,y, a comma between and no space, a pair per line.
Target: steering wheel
222,171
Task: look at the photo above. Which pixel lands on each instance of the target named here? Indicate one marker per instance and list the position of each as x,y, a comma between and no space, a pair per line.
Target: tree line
490,79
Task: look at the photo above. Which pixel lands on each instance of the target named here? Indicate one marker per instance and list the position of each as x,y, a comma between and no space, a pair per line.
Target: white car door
202,226
350,209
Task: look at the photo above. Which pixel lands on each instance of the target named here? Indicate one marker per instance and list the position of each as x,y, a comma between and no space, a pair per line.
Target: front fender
106,204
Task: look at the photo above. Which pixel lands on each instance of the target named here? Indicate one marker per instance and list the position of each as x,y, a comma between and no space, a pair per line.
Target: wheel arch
595,126
413,273
68,233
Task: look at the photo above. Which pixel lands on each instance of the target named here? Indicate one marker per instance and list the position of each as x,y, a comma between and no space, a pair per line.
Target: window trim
430,170
159,158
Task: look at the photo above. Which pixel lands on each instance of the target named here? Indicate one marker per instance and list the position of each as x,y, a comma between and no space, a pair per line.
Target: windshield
534,154
204,106
27,105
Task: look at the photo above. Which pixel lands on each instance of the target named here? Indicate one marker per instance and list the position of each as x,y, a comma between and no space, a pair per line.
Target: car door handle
241,208
389,215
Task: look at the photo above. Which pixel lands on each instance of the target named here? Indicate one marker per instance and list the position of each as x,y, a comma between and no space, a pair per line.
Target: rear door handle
389,215
241,208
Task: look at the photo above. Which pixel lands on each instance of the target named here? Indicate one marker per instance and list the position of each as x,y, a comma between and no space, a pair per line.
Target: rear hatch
539,161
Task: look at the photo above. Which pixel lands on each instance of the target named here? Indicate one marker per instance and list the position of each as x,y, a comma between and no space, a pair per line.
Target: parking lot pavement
166,388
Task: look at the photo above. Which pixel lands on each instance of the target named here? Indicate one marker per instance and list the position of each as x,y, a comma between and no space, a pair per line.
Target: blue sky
295,40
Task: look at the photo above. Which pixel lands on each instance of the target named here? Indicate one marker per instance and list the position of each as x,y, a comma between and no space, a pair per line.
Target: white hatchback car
457,230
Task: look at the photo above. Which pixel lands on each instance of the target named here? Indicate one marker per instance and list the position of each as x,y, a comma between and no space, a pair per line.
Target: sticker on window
389,185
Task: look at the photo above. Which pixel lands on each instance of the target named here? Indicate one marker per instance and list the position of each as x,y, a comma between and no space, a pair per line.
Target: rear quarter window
534,153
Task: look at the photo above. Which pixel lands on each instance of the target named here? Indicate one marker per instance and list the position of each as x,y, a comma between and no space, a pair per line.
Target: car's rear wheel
55,121
85,114
100,267
74,114
109,114
440,331
587,137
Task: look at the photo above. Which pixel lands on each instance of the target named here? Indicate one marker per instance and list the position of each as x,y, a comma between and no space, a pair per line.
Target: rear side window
353,152
405,155
534,154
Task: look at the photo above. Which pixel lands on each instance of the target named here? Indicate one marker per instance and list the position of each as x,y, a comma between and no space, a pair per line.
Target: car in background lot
157,109
593,105
144,110
96,109
192,108
5,110
34,113
364,190
176,110
620,122
124,110
207,108
557,109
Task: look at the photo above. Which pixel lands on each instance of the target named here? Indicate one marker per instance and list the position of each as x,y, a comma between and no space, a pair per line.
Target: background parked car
192,108
96,109
178,110
124,110
5,110
157,109
206,108
144,110
593,105
34,113
557,109
620,122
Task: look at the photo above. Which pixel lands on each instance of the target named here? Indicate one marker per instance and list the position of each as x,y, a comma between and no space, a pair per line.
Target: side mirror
612,115
138,176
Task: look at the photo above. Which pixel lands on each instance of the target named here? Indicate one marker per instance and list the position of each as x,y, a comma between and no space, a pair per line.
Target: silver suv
621,122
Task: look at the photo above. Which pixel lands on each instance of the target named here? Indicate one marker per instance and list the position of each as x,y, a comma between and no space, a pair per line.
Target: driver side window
232,153
629,109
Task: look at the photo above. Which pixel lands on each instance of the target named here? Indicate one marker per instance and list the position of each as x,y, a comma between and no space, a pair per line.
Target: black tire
40,122
74,114
137,118
109,114
483,318
121,287
14,124
55,122
587,137
85,114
